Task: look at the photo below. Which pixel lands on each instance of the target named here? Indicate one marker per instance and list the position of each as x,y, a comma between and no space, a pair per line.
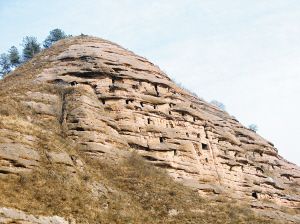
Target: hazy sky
244,53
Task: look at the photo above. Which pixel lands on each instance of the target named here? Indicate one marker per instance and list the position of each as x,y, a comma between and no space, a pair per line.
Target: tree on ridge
4,64
54,35
14,56
30,47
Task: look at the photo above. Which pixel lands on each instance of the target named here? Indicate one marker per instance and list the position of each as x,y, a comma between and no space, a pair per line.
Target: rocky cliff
87,99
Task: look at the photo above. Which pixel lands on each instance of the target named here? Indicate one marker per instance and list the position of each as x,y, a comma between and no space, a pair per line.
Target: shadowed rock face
113,102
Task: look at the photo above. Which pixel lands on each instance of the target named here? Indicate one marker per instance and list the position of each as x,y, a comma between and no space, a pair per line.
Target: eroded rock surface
9,215
113,102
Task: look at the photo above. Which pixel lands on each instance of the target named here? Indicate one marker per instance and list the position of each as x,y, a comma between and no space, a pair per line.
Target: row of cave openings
161,139
204,145
113,81
129,101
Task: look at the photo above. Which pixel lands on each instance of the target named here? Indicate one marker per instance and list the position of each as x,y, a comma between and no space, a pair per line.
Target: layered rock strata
113,102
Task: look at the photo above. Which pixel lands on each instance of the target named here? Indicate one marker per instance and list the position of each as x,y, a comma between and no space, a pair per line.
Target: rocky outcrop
8,215
113,102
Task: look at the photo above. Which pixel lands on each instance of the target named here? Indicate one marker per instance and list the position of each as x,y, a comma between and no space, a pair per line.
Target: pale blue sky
244,53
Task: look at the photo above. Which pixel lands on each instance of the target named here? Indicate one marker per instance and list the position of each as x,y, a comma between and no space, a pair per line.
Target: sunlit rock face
113,102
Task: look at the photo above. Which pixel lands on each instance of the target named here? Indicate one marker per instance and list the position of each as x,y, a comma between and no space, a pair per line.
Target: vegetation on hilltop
12,59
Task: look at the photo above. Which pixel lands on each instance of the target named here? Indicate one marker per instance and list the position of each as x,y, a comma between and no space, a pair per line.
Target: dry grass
156,194
139,193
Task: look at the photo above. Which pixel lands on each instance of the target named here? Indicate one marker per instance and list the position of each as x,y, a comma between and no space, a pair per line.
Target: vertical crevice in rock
214,158
63,106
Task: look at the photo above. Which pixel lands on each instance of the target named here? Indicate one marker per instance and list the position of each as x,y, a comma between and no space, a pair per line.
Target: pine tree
5,66
31,47
14,56
55,35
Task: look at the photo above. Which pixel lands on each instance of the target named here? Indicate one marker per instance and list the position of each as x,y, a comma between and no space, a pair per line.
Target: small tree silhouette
54,35
31,47
253,127
5,66
14,56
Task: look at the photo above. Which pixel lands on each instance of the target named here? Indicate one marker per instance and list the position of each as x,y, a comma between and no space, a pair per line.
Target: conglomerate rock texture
113,102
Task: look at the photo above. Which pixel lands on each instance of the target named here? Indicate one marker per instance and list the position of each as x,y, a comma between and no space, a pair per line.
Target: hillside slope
76,120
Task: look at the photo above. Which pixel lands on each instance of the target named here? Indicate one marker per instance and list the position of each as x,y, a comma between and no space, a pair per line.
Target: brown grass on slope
137,193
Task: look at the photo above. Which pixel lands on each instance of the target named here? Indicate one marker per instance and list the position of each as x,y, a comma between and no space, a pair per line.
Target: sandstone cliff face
113,102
